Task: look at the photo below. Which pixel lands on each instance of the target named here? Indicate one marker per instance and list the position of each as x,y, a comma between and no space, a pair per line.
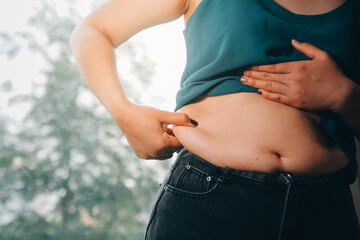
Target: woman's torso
246,131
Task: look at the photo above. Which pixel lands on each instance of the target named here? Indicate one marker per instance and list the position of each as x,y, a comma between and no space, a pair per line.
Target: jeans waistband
187,158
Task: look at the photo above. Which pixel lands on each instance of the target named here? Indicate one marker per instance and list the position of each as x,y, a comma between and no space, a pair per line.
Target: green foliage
66,171
8,47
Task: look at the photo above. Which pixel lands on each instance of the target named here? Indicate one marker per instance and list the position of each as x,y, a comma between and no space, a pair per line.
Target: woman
267,157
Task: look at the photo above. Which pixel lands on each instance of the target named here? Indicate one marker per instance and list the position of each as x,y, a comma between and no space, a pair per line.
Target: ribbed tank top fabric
224,37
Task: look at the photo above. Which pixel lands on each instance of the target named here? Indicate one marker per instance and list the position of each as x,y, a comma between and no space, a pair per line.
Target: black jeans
199,200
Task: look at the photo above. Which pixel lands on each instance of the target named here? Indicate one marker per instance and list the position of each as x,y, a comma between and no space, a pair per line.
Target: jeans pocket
191,181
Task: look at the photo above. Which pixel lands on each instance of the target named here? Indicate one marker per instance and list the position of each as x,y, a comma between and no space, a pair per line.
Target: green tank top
223,37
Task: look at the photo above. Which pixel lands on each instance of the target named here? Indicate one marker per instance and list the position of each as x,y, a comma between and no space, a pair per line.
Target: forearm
95,57
349,106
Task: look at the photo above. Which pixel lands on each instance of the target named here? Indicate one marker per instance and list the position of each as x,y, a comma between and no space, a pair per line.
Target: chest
257,31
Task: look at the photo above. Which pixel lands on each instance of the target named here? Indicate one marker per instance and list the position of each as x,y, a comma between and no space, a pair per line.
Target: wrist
344,95
119,107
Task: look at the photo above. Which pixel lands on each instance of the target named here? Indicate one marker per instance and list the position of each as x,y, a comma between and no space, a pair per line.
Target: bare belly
248,132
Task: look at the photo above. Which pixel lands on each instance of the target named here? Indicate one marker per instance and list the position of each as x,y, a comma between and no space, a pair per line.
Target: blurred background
66,170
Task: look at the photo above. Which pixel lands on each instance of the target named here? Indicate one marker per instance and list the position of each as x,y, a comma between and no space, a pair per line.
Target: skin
93,42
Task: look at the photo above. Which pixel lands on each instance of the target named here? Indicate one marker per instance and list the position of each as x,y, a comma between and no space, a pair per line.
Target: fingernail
244,79
193,122
259,91
295,42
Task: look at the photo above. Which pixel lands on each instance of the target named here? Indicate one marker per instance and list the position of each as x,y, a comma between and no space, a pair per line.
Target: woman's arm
93,42
348,107
317,84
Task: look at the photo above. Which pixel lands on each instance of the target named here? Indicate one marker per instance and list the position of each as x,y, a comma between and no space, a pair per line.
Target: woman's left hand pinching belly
316,84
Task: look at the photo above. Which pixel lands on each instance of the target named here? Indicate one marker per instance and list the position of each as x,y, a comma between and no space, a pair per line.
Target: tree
67,172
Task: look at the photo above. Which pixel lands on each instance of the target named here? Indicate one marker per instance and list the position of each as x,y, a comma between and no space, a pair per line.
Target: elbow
84,32
81,34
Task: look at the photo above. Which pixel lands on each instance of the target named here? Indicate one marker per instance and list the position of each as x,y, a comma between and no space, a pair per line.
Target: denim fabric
199,200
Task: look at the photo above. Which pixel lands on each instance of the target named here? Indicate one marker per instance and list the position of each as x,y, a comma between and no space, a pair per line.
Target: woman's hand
146,130
316,84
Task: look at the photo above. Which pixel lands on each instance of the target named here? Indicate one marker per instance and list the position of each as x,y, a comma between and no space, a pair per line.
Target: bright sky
165,47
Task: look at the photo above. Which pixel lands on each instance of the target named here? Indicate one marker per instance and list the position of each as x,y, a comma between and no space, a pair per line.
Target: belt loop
224,175
178,159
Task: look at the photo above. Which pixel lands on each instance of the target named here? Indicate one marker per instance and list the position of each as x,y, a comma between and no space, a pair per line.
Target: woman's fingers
170,145
280,68
167,143
268,85
302,84
165,155
309,50
274,96
147,131
162,147
264,75
170,131
178,119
